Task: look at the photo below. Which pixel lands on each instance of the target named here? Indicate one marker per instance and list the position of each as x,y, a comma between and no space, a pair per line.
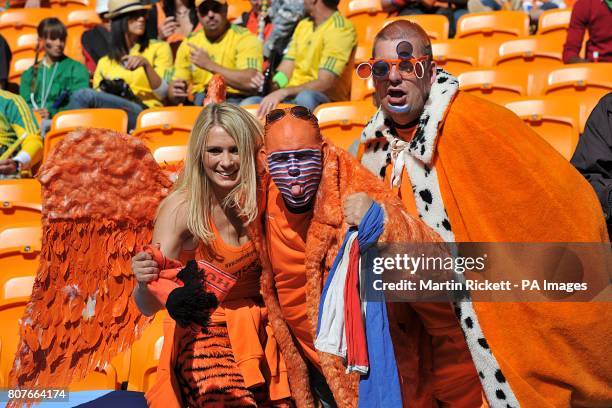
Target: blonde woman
202,219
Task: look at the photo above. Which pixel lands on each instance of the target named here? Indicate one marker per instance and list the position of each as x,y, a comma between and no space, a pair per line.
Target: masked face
297,174
295,160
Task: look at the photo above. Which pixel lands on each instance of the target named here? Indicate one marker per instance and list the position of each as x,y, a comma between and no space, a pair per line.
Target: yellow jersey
17,120
329,47
159,55
237,49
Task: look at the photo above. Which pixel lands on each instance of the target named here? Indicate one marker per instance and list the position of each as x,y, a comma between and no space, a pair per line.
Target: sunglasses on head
207,6
298,112
380,68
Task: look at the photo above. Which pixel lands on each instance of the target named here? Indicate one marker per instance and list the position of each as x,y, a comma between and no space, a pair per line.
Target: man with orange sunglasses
474,172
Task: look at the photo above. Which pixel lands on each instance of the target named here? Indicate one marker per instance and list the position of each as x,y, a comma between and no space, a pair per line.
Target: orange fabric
287,246
551,202
246,329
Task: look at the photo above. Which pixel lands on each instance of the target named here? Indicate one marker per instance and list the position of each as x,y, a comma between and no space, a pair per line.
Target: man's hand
8,166
355,207
42,112
132,62
257,82
270,102
145,269
177,91
168,27
199,57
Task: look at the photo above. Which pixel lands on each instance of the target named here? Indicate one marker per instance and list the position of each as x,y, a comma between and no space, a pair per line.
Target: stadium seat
436,26
18,67
361,89
343,122
488,30
553,24
10,313
505,24
20,202
145,354
367,23
166,131
22,235
586,83
355,6
498,85
539,55
29,17
19,37
555,119
77,22
68,121
456,56
71,4
18,265
236,8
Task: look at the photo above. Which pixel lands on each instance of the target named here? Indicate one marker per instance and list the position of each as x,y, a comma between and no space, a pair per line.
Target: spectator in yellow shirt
317,67
220,48
131,76
19,133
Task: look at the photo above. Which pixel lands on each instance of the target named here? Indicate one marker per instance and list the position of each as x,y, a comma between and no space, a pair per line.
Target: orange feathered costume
423,371
475,173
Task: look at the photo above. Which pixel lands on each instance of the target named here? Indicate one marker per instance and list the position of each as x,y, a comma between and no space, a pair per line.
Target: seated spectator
96,41
173,20
17,125
48,84
131,76
221,48
451,9
318,65
593,155
5,62
594,16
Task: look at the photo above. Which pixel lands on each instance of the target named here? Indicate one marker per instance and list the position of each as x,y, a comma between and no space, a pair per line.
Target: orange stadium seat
498,85
361,89
21,235
436,26
236,8
166,131
145,354
68,121
586,83
555,119
19,37
539,55
10,313
367,23
343,122
71,4
20,202
30,17
456,56
19,258
77,22
554,23
490,29
355,6
18,67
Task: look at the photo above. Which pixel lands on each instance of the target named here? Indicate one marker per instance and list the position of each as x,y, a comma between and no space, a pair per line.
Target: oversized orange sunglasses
380,68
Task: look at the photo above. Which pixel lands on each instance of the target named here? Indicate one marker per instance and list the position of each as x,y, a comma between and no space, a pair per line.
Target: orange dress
230,364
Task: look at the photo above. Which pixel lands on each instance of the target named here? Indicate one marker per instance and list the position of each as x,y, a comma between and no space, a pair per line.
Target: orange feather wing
101,190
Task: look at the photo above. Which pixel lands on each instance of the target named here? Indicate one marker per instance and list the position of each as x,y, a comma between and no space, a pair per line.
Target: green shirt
69,76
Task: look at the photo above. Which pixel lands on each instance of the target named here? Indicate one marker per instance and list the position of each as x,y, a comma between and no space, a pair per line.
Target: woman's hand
168,28
145,269
132,62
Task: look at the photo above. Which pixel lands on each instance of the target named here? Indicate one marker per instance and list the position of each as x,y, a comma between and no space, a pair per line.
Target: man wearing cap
317,67
311,192
220,48
474,172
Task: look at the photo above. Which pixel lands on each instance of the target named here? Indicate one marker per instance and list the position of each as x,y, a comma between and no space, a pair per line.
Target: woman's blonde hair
246,131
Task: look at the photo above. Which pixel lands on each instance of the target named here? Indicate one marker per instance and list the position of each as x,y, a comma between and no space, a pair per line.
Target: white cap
101,6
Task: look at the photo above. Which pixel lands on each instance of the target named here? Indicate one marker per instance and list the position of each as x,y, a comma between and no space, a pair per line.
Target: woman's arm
170,232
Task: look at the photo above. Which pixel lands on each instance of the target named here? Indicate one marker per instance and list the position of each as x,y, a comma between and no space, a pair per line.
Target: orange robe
500,182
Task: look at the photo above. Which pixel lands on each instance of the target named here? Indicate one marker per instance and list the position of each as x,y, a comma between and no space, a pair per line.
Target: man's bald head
408,31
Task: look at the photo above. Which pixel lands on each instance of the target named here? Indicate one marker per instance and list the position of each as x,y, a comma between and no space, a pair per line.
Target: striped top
16,120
